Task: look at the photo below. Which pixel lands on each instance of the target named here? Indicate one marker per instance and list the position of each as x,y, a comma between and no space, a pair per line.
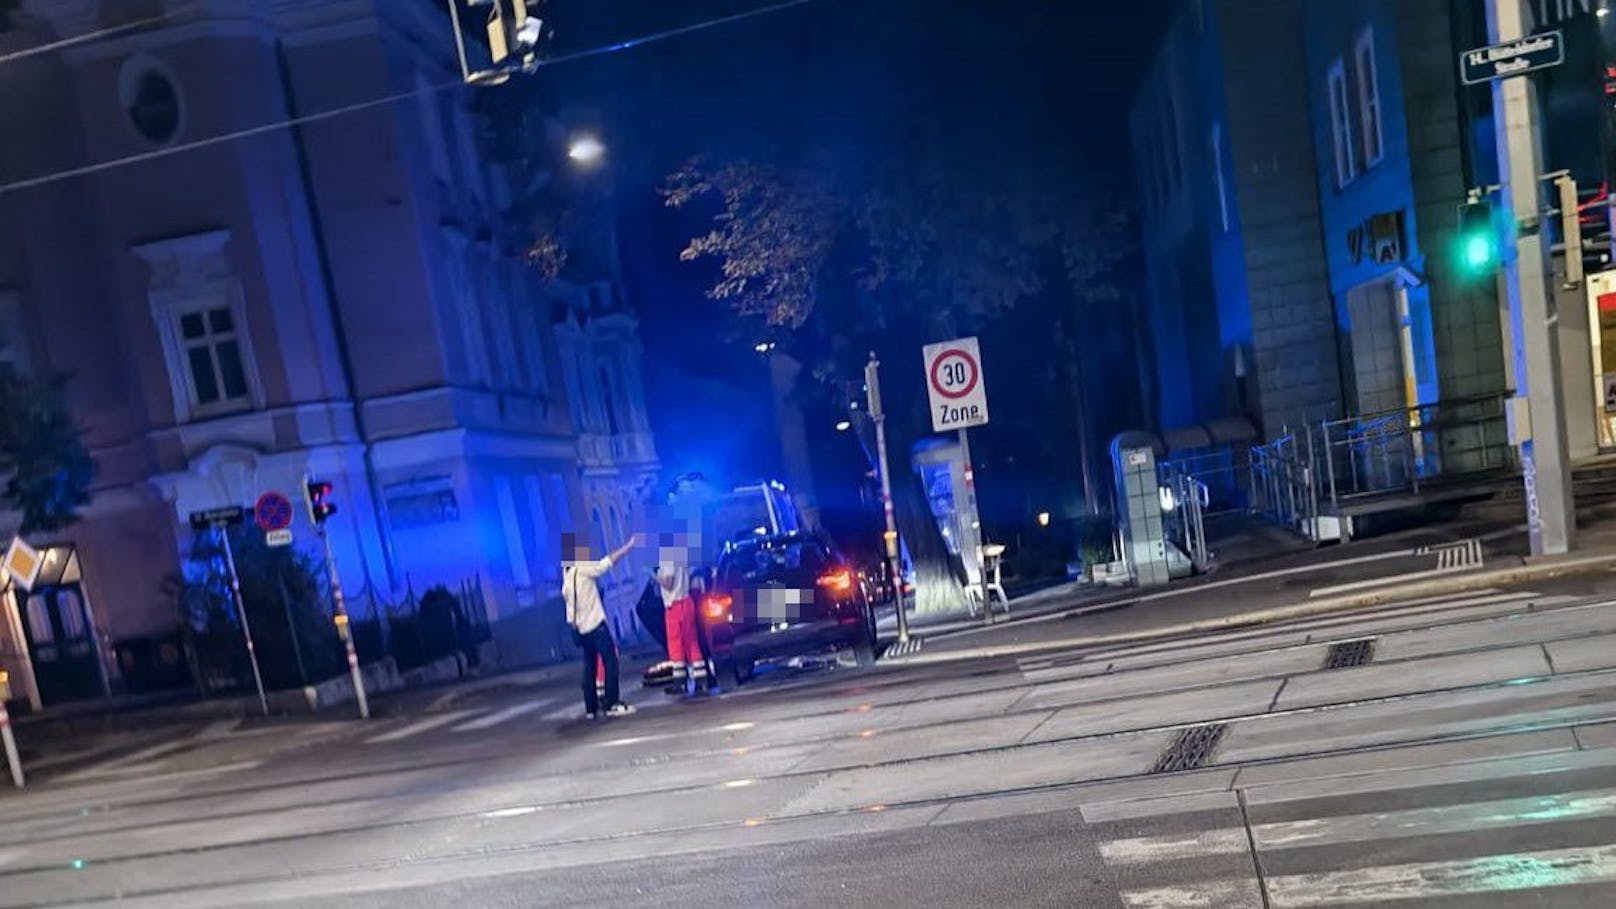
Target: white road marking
1175,846
1475,816
142,761
1242,894
420,726
499,716
1510,872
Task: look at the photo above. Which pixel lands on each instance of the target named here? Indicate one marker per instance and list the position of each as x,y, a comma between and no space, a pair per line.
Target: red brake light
838,581
716,606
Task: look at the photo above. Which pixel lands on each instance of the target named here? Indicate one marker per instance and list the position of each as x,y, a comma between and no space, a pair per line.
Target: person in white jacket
586,615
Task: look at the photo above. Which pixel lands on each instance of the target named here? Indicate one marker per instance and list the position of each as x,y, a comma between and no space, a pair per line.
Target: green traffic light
1478,251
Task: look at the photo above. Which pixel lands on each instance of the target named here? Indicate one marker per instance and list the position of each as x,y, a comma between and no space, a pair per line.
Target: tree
47,468
836,259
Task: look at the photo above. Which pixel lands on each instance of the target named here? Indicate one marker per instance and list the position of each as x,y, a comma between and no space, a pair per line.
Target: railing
1284,486
1403,450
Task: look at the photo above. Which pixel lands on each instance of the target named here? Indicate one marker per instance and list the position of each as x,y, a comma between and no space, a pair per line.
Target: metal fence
1404,451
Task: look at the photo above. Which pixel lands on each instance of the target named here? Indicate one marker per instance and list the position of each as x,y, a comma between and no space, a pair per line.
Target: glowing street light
586,151
844,426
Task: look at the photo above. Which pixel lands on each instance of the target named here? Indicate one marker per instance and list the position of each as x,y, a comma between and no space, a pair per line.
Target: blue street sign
1512,58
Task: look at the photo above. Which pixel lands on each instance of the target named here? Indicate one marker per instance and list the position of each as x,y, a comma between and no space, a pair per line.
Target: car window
796,563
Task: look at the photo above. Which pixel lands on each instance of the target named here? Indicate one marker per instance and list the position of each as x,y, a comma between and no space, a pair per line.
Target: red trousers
684,649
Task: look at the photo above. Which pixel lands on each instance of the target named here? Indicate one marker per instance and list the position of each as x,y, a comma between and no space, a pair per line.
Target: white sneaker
620,710
590,715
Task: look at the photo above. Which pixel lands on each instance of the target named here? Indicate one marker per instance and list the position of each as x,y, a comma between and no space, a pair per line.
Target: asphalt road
1470,761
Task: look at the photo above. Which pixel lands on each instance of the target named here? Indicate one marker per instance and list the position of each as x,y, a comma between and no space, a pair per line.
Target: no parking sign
959,397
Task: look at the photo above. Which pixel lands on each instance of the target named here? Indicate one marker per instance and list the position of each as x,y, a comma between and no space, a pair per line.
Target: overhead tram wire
110,31
344,110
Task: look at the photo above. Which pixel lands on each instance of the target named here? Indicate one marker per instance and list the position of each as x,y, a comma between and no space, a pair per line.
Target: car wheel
864,647
741,671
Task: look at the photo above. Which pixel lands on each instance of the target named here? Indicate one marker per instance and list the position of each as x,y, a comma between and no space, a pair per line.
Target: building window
151,100
213,356
1217,170
1346,165
609,400
1369,99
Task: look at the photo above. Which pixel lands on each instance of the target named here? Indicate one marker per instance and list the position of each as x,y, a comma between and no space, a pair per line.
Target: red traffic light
318,495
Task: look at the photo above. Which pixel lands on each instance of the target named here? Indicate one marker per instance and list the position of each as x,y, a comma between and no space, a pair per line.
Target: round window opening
152,102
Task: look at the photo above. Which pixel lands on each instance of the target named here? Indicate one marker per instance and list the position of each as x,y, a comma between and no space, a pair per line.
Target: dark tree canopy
48,470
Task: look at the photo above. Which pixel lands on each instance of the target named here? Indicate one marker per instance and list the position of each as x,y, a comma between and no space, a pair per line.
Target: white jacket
580,590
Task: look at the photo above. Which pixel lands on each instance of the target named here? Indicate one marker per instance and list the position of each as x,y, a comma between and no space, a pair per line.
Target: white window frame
191,274
210,341
1346,163
1374,137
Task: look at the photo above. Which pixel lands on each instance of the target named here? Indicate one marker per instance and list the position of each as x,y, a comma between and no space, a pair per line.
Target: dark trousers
599,643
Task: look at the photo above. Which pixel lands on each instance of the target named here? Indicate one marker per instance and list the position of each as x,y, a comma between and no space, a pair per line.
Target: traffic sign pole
1534,350
241,610
975,524
346,633
872,390
8,738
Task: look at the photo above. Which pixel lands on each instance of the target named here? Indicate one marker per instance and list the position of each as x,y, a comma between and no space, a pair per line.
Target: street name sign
228,515
1512,58
954,385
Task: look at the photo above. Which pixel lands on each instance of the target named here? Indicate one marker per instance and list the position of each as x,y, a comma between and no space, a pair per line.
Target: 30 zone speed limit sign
959,398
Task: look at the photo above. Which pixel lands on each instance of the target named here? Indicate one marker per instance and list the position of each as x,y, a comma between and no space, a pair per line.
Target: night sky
818,76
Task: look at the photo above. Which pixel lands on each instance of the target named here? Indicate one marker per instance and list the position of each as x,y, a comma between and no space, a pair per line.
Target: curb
1459,583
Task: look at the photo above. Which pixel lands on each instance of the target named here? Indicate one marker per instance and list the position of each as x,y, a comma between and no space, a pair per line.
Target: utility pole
872,389
1534,350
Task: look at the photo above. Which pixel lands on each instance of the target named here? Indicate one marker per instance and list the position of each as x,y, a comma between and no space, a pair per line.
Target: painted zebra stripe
416,728
499,716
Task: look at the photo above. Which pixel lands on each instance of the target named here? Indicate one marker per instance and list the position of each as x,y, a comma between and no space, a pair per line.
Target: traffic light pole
341,618
241,610
1534,350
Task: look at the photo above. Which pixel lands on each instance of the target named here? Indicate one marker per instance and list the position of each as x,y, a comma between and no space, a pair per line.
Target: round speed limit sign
954,385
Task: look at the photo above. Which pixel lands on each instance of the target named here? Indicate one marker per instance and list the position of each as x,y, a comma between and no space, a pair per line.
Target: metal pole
241,610
341,618
872,390
1534,346
975,524
9,739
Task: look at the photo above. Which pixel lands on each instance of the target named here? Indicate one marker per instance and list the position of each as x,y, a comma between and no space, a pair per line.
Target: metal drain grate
1348,654
1191,749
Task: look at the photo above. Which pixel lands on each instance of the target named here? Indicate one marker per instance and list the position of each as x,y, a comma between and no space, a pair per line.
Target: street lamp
844,426
586,151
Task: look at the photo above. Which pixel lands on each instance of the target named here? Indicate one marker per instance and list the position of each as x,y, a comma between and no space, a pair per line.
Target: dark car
785,596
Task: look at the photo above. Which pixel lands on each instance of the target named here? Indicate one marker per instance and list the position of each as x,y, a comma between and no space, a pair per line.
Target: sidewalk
1375,572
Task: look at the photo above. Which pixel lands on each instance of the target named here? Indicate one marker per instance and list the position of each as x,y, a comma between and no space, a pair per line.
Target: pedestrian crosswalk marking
1509,872
1231,894
420,726
499,716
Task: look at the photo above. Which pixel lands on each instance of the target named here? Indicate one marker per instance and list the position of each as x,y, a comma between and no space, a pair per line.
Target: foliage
285,603
48,468
832,262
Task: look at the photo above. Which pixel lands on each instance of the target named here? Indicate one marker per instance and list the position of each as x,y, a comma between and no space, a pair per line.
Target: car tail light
716,607
838,581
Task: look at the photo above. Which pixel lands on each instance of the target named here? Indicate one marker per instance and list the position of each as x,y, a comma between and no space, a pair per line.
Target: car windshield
795,563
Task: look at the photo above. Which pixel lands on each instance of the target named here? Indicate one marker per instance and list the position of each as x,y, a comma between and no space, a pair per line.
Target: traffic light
317,493
1477,246
512,32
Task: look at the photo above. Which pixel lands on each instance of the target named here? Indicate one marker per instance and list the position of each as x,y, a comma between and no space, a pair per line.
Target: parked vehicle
785,595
